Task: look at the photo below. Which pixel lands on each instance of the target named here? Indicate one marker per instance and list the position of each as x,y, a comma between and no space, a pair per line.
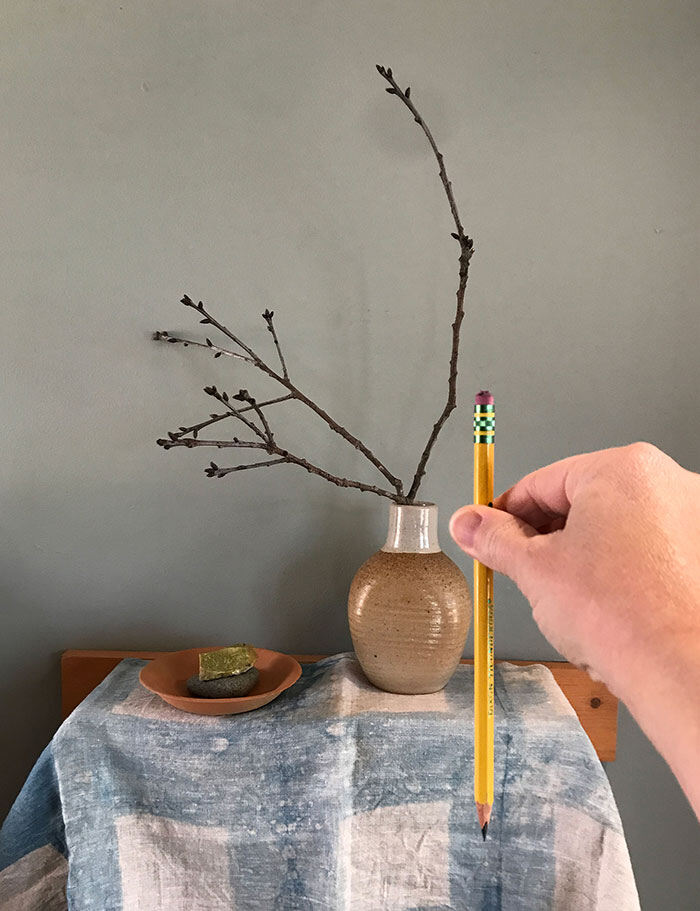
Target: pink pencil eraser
483,398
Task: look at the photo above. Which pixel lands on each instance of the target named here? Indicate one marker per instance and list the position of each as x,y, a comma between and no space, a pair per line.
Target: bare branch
299,395
268,442
223,397
340,482
405,97
244,396
466,245
215,418
208,318
166,337
273,449
215,472
189,443
267,316
285,456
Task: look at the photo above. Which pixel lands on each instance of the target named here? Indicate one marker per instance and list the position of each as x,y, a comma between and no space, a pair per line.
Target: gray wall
246,153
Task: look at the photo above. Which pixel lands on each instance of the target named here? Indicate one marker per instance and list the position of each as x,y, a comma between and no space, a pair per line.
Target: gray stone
224,687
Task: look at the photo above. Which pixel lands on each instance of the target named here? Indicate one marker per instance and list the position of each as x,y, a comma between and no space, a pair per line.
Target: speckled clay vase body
409,607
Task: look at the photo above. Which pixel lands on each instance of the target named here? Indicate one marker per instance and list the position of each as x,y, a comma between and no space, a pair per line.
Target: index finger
547,494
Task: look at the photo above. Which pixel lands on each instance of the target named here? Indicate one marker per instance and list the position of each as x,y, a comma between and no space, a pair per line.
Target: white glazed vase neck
413,529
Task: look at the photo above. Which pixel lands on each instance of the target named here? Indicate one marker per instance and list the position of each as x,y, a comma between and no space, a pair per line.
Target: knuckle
630,467
642,459
642,453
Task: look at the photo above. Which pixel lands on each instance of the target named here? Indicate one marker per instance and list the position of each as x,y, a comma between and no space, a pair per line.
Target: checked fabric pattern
334,796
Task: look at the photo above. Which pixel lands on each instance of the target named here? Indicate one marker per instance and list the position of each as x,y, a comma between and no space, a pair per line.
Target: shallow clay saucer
167,676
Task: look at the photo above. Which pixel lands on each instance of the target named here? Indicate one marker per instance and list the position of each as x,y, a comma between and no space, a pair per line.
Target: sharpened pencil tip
484,830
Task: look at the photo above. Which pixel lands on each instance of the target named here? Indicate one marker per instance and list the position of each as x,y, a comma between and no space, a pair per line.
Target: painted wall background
246,153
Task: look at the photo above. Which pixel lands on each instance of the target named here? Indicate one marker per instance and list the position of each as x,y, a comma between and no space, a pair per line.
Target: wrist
658,679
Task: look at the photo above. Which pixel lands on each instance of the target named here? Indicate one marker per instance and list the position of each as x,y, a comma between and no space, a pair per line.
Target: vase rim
413,528
420,504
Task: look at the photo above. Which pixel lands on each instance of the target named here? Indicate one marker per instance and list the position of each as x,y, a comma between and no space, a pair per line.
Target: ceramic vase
409,607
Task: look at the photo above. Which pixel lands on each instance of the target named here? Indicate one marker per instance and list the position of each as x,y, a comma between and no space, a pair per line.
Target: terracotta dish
167,675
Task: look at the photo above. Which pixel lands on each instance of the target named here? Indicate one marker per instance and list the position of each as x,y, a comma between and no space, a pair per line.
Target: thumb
495,538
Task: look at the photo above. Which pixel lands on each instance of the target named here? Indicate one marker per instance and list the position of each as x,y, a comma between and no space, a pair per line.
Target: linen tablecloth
334,796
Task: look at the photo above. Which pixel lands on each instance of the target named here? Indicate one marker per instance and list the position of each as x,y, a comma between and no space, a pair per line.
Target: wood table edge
596,707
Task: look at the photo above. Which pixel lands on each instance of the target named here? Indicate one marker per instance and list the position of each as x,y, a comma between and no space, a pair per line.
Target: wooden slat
592,701
82,670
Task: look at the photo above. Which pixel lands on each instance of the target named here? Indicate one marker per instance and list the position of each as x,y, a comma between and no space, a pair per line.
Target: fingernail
463,526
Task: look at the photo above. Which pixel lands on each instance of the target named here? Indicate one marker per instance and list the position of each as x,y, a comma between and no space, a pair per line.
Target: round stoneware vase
409,607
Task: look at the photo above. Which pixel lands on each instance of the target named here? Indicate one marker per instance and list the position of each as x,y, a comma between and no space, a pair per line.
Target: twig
267,316
223,397
299,395
244,396
273,449
161,336
208,318
284,456
466,250
340,482
235,443
215,418
215,472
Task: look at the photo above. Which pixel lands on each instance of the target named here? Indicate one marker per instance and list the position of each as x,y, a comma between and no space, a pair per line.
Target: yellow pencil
484,427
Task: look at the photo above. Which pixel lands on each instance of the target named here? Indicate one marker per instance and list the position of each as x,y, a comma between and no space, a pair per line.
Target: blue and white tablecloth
334,796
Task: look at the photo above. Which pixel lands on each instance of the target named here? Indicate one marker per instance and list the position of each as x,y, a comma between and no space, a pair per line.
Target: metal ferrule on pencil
484,423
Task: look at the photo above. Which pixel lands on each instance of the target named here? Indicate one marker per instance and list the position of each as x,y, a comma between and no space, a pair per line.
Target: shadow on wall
311,590
30,700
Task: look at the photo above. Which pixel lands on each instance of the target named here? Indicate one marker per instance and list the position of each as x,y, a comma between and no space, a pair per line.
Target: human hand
606,548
